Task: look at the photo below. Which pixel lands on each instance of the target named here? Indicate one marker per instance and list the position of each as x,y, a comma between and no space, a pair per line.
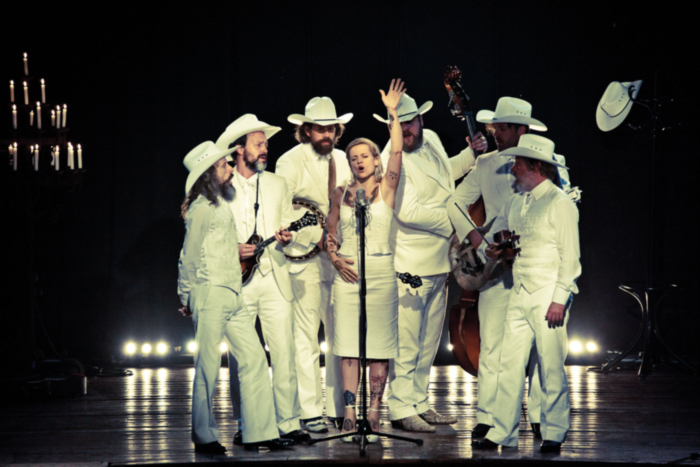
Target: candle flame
53,112
25,84
38,104
25,55
14,107
12,83
65,106
15,145
42,81
79,147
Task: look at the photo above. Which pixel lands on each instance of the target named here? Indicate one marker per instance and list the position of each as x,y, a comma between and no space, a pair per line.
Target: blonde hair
373,149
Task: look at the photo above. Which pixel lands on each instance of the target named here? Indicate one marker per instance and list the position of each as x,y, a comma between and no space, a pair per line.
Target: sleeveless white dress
382,291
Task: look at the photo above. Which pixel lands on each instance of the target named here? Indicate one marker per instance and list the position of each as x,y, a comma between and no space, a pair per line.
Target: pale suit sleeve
465,194
563,215
197,224
462,163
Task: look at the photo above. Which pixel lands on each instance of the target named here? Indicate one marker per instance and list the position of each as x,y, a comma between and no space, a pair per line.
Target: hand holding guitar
283,236
246,250
480,144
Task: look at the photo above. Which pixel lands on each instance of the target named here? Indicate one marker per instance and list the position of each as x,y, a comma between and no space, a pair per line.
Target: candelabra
38,145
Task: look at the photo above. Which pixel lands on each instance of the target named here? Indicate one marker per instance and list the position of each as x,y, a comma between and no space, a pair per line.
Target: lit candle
31,118
36,157
38,115
12,91
26,94
14,116
70,156
58,116
26,65
53,118
43,92
14,158
65,113
80,157
58,160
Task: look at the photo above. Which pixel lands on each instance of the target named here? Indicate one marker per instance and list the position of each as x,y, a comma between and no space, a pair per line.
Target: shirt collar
541,189
242,181
316,156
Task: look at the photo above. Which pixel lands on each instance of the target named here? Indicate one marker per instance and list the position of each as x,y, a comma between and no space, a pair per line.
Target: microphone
361,197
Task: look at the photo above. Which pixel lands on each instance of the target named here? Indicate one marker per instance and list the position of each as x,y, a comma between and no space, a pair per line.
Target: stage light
162,348
575,347
592,346
130,348
146,349
450,347
223,347
324,347
192,346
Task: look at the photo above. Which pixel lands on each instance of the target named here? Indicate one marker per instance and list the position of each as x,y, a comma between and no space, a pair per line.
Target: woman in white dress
382,294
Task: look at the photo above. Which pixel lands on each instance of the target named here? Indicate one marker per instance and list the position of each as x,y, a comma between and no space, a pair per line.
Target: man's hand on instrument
474,238
283,236
480,144
246,251
555,315
185,311
343,266
493,251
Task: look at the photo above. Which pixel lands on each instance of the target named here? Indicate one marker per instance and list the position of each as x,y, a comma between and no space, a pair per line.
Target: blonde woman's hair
373,149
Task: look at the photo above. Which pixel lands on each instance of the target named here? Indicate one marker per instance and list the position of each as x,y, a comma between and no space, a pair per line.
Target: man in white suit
261,205
209,285
492,179
420,238
311,170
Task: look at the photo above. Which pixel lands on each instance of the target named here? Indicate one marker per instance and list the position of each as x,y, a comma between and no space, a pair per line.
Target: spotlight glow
146,349
575,347
223,347
324,347
192,346
130,348
162,348
450,347
591,346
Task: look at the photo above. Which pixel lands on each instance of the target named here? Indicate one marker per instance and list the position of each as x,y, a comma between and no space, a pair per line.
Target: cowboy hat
616,103
201,158
321,111
407,109
534,147
511,110
248,123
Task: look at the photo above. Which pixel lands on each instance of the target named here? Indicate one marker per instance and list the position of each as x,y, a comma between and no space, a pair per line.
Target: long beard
256,166
417,142
321,149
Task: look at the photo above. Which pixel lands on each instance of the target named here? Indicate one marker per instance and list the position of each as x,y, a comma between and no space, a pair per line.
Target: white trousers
421,316
219,312
524,324
263,298
493,304
312,307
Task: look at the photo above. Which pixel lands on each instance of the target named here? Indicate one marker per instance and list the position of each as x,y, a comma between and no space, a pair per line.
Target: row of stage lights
576,347
162,349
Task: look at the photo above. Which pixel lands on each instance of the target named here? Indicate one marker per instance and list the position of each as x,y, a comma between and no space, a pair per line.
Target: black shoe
238,438
298,436
483,444
210,448
480,430
550,446
536,430
338,422
271,444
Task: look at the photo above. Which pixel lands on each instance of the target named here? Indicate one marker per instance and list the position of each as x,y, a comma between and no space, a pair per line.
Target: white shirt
246,225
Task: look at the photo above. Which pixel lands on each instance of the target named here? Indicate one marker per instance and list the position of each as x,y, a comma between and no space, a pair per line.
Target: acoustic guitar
249,265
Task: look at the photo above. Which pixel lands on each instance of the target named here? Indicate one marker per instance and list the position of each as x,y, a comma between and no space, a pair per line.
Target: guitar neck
262,245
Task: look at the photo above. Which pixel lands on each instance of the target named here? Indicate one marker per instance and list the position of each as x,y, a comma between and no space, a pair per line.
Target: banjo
303,204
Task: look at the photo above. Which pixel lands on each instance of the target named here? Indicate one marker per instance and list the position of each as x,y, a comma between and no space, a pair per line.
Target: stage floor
145,419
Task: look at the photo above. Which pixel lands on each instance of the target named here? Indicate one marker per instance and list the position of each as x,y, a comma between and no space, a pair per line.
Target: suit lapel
319,180
501,167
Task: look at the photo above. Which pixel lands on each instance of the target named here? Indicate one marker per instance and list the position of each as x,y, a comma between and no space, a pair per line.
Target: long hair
543,168
373,149
207,186
301,136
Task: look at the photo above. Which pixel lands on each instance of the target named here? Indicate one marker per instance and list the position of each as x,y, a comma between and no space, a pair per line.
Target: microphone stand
361,210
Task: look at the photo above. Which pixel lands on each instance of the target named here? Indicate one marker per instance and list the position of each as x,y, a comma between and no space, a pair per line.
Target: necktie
331,175
526,203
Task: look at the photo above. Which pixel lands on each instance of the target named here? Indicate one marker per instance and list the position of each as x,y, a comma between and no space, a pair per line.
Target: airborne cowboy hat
534,147
321,111
248,123
616,103
407,109
200,159
511,110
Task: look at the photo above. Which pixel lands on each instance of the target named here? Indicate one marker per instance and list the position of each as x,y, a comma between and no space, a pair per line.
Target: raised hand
393,96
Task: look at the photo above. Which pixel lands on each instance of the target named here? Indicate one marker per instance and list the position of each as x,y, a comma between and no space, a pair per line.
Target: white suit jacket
421,230
276,208
305,181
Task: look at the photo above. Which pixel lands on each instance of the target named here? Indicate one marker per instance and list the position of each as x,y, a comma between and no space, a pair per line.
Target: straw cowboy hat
321,111
248,123
407,109
511,110
201,158
534,147
616,103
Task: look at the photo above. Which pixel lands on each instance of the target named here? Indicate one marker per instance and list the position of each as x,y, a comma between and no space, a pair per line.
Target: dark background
146,82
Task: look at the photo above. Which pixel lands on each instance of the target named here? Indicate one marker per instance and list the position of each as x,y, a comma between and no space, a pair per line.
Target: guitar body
249,265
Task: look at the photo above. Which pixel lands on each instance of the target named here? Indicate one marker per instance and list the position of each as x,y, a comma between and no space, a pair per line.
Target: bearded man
311,170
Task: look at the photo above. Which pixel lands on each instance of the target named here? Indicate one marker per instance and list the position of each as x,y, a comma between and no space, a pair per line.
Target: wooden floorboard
145,419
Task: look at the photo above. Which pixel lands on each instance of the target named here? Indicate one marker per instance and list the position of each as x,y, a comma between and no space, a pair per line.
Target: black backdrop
145,83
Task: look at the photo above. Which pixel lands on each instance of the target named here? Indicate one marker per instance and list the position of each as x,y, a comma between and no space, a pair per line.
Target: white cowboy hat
616,103
201,158
511,110
248,123
407,109
535,147
321,111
